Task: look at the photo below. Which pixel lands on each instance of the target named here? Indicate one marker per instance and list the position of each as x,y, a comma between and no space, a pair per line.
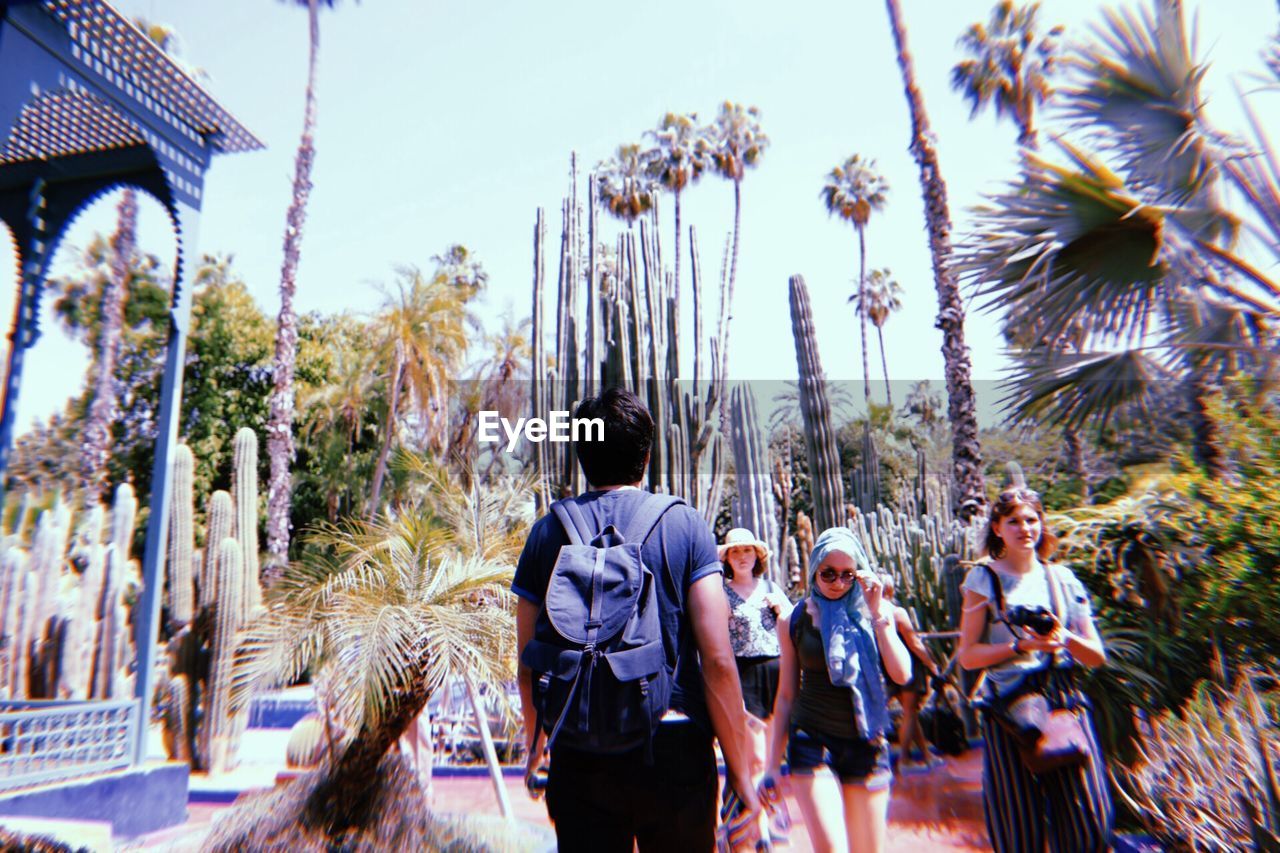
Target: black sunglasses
830,576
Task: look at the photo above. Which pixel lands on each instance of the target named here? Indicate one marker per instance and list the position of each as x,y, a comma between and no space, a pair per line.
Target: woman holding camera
1025,623
832,703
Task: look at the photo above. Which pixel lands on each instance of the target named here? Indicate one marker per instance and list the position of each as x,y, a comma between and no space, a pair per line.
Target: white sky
444,122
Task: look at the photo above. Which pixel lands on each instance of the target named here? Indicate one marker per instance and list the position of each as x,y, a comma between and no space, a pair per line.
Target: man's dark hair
620,459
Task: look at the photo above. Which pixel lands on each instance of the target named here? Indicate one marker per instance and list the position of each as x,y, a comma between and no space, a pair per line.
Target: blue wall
136,801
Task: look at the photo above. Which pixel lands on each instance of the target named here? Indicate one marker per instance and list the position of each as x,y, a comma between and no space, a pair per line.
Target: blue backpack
601,682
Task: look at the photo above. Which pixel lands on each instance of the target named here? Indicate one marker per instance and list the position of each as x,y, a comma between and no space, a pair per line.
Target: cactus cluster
211,595
64,602
627,336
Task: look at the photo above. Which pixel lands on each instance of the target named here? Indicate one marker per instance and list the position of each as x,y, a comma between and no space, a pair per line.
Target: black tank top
820,707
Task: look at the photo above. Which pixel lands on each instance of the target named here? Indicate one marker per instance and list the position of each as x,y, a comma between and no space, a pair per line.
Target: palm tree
680,158
1142,258
923,403
882,296
625,184
966,452
1009,66
737,143
854,190
390,610
501,384
280,447
423,340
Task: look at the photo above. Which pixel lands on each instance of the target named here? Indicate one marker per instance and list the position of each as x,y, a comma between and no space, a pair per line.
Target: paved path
938,810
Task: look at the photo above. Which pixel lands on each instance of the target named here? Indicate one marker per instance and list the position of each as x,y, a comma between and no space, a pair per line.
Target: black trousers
611,803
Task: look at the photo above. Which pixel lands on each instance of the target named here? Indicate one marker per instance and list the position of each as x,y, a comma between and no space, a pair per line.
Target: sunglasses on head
831,576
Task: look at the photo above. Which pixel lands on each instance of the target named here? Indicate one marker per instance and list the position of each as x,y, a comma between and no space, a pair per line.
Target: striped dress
1069,809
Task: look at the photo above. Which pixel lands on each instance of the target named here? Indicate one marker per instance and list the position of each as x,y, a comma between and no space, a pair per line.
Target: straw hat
741,536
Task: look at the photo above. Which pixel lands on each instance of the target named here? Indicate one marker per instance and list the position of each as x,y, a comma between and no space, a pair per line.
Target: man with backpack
626,667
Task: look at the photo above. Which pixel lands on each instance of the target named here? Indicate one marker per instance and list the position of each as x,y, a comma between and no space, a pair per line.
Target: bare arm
973,620
788,684
709,615
897,660
1083,642
526,616
912,641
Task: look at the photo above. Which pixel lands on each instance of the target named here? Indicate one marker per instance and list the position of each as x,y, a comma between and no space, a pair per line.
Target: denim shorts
853,760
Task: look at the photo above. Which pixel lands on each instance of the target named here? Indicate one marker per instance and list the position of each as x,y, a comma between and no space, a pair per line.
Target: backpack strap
647,517
996,586
574,522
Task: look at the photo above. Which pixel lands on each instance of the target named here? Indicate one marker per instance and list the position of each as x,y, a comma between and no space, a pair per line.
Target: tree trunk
343,799
1073,450
102,411
280,418
888,392
862,317
966,453
380,471
1206,444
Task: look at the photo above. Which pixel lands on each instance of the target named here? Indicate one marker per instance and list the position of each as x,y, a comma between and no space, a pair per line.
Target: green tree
678,160
1009,65
966,451
883,297
1133,242
737,144
280,445
854,190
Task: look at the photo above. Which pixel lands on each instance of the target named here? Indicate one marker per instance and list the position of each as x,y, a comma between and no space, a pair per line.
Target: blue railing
48,741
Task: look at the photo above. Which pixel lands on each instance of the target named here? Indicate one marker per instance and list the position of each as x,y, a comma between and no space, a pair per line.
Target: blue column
153,559
26,322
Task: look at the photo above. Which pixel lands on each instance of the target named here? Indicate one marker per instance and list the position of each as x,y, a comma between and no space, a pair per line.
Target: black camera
1036,617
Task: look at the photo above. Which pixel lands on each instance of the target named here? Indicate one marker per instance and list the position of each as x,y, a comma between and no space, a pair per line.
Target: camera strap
1055,596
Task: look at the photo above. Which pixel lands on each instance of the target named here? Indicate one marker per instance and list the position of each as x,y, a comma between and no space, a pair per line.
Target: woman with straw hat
755,603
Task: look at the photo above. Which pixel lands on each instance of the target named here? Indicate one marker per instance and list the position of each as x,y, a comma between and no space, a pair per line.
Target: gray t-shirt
1029,589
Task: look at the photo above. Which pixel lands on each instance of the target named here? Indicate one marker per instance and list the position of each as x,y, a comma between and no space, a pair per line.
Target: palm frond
1141,85
1070,389
1069,244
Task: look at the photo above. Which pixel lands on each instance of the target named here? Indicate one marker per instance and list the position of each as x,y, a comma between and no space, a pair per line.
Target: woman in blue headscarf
832,696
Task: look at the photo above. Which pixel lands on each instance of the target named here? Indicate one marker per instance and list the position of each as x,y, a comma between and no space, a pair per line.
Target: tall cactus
820,440
244,485
753,508
865,480
218,526
219,729
182,539
225,591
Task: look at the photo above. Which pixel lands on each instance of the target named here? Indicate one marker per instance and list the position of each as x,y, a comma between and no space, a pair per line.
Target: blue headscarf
853,659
